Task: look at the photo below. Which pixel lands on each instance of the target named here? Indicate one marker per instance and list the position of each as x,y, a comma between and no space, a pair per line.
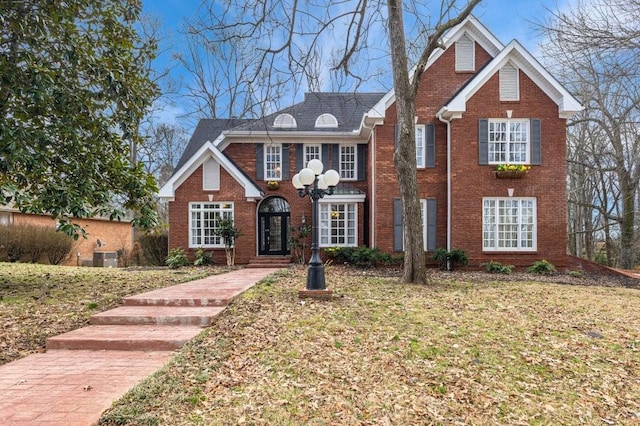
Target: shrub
542,267
360,257
137,254
228,232
494,267
457,256
177,258
155,246
59,247
31,242
203,258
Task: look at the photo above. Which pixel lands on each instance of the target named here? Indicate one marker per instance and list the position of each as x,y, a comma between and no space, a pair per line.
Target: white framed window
420,145
273,162
338,224
312,152
509,224
326,121
509,141
285,121
348,162
211,175
509,83
204,219
465,54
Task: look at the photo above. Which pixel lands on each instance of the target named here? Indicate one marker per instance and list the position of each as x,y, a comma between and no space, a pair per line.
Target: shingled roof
206,130
347,108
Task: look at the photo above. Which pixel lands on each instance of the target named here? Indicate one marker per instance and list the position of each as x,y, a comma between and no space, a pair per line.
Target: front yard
468,349
39,301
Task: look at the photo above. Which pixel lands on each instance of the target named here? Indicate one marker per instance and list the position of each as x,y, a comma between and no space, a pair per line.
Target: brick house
481,104
102,235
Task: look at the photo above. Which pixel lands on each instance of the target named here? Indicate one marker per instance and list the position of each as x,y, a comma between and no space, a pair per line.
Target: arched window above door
274,205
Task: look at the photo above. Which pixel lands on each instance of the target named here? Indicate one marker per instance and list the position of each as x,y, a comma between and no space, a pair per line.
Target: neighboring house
103,235
481,104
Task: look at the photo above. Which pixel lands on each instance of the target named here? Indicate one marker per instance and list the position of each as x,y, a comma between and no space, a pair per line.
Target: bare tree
599,45
305,45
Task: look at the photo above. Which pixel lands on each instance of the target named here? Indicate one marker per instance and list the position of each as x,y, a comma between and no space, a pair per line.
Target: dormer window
465,54
285,121
326,121
509,83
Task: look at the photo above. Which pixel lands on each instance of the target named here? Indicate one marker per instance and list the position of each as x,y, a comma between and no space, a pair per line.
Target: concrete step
193,300
270,262
158,315
125,337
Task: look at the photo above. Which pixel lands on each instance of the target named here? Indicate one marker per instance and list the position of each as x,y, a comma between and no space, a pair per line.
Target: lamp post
312,182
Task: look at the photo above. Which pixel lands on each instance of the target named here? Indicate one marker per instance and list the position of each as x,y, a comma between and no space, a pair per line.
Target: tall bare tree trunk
404,157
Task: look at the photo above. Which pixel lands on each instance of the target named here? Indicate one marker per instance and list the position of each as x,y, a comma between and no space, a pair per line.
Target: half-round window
326,120
285,121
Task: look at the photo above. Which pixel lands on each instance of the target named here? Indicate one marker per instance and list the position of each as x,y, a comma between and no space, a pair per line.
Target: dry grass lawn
460,351
39,301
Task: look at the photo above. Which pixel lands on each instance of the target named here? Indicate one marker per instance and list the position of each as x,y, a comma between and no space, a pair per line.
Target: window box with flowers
273,185
511,171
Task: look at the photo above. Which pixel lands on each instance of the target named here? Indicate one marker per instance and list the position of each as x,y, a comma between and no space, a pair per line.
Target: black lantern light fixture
312,182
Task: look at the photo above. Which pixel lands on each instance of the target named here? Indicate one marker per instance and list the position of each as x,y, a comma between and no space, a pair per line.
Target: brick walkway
85,370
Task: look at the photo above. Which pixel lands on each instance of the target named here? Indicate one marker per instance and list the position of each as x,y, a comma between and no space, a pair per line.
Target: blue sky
507,19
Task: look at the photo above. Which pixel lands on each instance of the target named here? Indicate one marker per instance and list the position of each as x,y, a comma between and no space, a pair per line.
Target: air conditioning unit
105,259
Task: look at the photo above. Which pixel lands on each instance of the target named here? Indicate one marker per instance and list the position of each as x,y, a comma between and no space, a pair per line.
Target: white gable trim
523,60
206,151
474,30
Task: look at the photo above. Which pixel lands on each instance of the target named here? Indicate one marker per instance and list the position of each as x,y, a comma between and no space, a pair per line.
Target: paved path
74,385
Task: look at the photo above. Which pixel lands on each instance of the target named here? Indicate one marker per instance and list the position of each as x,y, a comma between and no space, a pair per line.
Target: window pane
273,161
312,152
205,220
338,224
348,162
420,146
508,224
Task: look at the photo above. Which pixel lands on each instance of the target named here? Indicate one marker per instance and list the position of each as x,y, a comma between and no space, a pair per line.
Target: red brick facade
114,236
470,181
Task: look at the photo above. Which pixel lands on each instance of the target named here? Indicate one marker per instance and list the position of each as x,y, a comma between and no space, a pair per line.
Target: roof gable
473,28
206,130
206,151
515,53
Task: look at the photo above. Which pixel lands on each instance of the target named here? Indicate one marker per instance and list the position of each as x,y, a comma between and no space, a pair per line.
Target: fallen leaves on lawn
453,352
40,301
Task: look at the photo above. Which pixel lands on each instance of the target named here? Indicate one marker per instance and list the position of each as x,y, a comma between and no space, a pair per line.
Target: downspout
448,123
372,208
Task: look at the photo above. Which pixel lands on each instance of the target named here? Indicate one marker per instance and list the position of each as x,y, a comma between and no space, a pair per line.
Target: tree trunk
627,190
404,157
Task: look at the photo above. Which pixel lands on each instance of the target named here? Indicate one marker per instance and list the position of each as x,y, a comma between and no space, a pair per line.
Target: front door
273,227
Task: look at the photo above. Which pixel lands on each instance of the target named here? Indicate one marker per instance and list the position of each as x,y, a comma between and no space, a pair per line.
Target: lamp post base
324,294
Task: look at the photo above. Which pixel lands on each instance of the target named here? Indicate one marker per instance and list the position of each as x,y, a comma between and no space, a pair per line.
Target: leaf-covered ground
460,351
39,301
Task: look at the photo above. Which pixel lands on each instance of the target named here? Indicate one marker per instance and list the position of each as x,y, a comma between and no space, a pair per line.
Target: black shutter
362,162
325,154
286,164
335,157
431,223
430,145
483,141
536,141
398,232
259,161
299,157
